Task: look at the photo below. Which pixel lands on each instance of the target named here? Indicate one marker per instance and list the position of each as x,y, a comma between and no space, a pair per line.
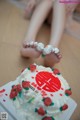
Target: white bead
28,44
49,47
35,44
31,43
56,50
47,50
53,49
44,51
40,46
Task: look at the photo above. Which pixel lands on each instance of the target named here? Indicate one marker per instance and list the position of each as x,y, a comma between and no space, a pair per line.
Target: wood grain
13,28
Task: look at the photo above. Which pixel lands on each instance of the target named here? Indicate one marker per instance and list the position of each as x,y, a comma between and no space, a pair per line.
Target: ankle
56,45
30,39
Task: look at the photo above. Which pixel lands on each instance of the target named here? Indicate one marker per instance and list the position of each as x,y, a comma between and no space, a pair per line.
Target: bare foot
32,50
29,8
51,56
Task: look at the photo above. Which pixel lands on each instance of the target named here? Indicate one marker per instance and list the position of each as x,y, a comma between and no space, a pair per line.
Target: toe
51,60
24,44
30,52
59,55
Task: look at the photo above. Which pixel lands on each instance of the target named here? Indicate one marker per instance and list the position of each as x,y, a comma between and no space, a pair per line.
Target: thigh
70,8
38,2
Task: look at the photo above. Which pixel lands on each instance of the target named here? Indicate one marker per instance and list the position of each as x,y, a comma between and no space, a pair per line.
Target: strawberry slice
56,71
64,107
32,68
25,84
19,88
47,118
2,91
68,92
14,88
13,94
47,101
41,111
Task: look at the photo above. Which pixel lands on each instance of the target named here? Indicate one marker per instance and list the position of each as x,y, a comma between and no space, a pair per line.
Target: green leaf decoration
43,99
28,68
61,109
52,69
14,99
20,93
48,116
31,100
59,74
43,55
66,94
26,88
52,118
23,81
69,88
36,110
52,104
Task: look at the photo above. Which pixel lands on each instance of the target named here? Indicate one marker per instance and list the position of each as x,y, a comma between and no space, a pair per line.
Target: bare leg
29,8
58,23
37,20
31,5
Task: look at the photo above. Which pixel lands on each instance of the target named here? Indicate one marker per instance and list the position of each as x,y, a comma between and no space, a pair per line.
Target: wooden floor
13,28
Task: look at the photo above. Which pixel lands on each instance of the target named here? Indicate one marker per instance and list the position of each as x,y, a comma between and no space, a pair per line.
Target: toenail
25,46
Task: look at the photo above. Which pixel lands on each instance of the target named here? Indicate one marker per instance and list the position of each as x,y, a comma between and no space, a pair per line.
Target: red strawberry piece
68,92
13,94
25,84
47,118
2,91
47,101
64,107
32,68
56,71
14,88
19,88
41,111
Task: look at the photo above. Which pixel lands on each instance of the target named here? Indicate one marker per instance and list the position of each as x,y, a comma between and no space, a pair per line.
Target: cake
41,93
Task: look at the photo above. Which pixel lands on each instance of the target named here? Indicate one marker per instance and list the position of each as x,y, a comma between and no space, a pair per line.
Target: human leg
58,22
38,17
29,8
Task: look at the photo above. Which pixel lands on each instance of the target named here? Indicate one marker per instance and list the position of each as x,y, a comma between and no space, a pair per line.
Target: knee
50,2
